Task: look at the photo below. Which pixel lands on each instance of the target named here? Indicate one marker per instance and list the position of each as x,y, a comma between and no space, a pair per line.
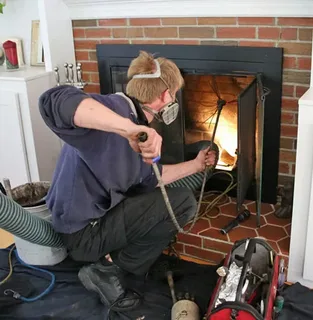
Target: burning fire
201,96
226,138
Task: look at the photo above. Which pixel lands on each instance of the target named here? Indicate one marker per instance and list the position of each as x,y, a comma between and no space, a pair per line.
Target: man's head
154,82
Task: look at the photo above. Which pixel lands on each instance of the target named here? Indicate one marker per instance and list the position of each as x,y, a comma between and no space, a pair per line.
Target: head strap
156,74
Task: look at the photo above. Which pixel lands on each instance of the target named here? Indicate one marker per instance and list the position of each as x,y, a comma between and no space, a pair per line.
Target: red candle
11,54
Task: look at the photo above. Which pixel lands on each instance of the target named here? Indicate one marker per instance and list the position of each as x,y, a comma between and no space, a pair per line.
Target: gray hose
18,221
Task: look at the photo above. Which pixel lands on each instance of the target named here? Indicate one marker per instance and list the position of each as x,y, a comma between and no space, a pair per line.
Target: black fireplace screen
233,72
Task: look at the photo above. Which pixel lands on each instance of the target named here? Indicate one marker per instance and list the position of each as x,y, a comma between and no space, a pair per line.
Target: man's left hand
205,158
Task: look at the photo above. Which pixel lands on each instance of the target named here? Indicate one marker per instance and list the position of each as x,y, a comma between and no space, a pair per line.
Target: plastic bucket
32,253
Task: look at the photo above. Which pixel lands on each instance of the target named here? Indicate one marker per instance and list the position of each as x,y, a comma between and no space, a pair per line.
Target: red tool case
257,270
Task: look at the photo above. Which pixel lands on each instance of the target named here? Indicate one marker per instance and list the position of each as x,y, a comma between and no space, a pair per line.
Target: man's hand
149,149
205,158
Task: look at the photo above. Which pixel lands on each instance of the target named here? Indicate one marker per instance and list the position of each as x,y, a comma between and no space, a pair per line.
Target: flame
226,139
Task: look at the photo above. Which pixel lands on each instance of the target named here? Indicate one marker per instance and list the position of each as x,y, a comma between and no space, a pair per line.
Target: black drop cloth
298,303
70,300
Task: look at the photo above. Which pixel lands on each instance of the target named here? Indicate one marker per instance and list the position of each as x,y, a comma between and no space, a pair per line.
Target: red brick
189,239
304,63
295,21
94,77
144,22
305,34
216,21
220,246
82,55
290,62
181,41
92,88
128,33
284,167
293,170
288,33
204,254
262,21
300,91
287,118
90,66
301,77
93,55
144,41
290,104
86,44
114,41
235,32
288,90
84,23
78,33
286,143
179,21
297,48
179,247
287,156
98,33
112,22
257,43
196,32
288,131
269,33
219,42
214,234
161,32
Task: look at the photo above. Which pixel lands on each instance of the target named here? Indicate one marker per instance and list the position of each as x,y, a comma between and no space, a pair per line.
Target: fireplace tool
143,137
70,78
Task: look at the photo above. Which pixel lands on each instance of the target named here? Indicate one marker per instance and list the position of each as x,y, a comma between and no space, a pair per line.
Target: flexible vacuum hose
18,221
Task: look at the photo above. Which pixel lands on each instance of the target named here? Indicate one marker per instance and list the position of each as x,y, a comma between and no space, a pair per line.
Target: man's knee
187,204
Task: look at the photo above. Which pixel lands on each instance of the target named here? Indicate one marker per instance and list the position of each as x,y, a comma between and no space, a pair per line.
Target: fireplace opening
236,133
201,94
248,135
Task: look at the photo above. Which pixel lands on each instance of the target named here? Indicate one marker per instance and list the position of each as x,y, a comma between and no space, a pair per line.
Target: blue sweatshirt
96,169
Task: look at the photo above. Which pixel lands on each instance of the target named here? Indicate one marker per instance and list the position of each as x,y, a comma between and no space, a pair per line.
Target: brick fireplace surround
292,34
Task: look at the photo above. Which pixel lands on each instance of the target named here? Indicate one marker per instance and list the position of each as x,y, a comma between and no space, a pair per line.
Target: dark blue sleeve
57,107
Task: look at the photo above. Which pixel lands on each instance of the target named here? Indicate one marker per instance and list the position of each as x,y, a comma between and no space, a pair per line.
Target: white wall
16,22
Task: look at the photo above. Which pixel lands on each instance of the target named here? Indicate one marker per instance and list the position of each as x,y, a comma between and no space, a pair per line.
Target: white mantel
92,9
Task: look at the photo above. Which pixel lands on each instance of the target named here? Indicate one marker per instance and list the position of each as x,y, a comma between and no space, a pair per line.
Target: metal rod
7,187
171,285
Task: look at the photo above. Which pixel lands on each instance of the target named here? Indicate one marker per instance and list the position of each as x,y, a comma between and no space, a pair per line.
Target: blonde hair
146,90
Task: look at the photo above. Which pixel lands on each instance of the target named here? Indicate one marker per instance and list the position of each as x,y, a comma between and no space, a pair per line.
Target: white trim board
106,9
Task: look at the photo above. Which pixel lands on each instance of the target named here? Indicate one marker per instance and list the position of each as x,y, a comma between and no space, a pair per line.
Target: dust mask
169,112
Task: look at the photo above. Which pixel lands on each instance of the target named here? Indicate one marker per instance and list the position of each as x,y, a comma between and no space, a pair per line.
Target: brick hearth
206,242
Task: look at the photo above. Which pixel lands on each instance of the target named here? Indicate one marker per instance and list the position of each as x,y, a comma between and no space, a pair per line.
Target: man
104,196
